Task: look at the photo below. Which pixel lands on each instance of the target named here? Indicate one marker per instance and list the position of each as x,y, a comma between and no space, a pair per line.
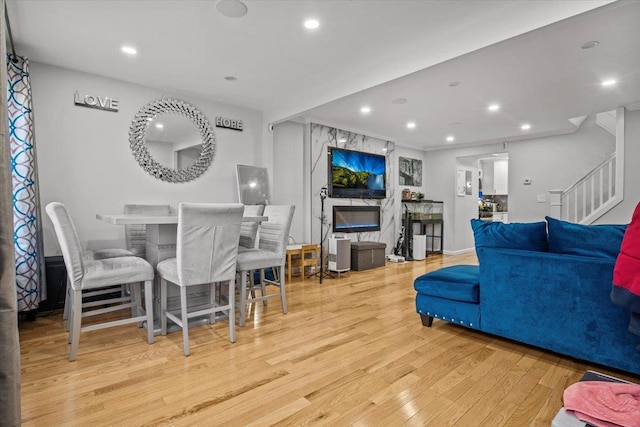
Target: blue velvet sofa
546,284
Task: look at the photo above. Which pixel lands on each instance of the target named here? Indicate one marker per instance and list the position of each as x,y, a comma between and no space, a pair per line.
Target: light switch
542,198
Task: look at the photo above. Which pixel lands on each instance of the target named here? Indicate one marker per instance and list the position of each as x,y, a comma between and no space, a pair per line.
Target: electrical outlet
542,198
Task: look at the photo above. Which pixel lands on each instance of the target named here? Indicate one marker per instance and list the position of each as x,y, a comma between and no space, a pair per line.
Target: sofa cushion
601,241
527,236
458,283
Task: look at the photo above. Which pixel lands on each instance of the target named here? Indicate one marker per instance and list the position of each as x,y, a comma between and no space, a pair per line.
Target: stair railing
598,191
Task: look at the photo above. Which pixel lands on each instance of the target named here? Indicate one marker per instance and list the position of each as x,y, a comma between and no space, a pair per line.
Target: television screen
356,219
356,174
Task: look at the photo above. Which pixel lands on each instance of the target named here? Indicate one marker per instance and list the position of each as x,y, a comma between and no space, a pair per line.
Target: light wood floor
351,351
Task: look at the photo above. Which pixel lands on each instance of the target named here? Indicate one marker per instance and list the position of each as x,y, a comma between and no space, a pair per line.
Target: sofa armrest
554,301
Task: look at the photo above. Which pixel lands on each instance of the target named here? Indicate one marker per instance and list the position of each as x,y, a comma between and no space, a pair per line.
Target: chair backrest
69,242
249,230
207,242
136,234
274,233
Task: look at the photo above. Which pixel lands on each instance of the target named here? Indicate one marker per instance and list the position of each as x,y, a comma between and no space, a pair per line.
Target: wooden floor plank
351,351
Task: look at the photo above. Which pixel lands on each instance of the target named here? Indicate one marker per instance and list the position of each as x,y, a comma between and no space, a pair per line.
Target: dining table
161,235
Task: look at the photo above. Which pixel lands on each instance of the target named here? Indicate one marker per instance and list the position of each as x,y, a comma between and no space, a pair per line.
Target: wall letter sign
99,102
223,122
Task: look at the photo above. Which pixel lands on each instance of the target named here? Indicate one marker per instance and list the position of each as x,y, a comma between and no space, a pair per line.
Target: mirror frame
138,132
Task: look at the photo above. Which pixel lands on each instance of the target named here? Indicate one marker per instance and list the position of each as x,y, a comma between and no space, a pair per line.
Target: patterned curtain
27,225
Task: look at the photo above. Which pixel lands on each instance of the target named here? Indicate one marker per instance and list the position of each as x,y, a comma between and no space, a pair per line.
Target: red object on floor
604,404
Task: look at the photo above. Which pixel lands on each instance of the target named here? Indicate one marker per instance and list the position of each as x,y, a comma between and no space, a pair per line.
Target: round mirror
172,140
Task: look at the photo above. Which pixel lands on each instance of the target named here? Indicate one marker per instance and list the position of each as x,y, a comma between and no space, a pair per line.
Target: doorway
493,188
489,198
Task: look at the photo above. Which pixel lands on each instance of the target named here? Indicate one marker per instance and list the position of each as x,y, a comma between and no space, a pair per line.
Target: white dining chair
206,252
98,274
270,254
135,240
249,229
94,255
136,234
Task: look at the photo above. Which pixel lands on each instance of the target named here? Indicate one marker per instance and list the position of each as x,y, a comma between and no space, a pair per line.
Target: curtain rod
14,59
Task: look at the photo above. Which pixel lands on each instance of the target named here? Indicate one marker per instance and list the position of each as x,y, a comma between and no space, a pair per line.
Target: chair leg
283,296
232,313
76,308
163,306
252,284
243,297
67,305
136,299
212,302
69,308
148,301
263,286
185,319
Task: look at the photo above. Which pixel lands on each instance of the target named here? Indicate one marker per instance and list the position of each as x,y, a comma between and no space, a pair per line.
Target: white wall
465,208
621,214
552,163
290,182
84,160
440,168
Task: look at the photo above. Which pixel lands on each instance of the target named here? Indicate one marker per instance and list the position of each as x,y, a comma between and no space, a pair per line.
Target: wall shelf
425,216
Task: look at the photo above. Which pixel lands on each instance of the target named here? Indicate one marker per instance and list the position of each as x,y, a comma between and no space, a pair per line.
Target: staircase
602,188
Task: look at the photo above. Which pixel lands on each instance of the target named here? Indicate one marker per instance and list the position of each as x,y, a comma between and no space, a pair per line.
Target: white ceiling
524,55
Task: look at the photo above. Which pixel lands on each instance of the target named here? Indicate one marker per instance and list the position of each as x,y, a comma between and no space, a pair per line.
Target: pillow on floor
601,241
530,236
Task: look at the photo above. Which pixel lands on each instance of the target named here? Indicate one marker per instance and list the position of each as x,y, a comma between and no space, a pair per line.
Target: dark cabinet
56,284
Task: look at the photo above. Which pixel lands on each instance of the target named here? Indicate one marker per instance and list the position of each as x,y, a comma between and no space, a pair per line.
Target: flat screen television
356,174
356,219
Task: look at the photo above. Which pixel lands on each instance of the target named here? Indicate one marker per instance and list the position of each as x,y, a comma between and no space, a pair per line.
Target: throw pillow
528,236
601,241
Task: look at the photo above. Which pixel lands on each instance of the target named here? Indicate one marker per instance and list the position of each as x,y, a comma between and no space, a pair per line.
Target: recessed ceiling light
129,50
609,82
399,101
159,126
311,24
450,138
231,8
411,125
525,126
384,149
365,110
589,45
454,84
342,139
230,78
494,107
